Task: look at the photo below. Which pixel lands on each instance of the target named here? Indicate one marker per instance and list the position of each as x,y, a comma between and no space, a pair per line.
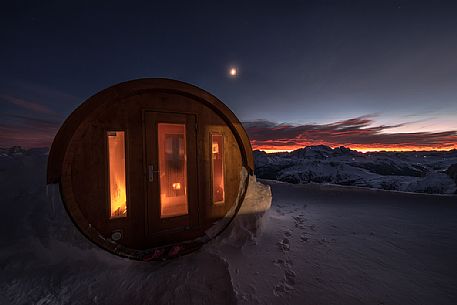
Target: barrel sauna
151,168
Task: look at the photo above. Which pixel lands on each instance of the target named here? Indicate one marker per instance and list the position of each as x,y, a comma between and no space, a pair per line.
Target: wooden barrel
151,168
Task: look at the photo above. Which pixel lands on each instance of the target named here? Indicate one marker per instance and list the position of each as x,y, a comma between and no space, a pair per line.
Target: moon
233,72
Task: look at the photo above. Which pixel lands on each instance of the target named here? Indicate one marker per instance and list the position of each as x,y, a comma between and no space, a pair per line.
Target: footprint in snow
282,289
284,245
299,221
289,277
285,264
287,283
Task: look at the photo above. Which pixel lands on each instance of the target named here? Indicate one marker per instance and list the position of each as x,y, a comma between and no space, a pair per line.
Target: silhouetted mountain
423,172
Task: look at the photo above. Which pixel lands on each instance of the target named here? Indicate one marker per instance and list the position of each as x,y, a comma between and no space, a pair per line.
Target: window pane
173,169
217,153
116,151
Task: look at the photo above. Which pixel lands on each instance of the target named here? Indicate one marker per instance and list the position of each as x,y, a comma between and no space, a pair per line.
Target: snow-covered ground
317,244
420,172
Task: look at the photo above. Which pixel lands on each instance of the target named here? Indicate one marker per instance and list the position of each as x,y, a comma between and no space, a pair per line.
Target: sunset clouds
31,124
26,123
360,133
27,132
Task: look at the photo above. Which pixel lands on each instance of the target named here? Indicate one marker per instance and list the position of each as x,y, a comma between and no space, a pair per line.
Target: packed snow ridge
431,172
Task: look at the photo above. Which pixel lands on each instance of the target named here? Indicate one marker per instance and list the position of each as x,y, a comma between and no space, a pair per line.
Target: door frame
156,226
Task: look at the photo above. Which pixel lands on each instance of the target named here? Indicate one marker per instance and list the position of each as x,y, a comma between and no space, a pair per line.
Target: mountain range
433,172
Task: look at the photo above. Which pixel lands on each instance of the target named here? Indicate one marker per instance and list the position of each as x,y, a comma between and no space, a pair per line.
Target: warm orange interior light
217,152
173,169
116,152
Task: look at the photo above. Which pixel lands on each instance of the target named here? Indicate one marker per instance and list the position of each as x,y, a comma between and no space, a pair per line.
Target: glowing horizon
270,150
361,133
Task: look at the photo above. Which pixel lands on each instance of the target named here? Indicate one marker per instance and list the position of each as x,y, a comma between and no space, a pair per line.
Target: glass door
171,171
172,153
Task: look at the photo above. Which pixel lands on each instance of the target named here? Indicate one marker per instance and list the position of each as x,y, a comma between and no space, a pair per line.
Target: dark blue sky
300,61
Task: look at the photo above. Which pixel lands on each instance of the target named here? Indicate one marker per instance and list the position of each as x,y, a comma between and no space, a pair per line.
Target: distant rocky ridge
19,151
423,172
452,172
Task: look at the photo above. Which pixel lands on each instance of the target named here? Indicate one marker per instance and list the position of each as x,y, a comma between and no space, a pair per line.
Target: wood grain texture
78,161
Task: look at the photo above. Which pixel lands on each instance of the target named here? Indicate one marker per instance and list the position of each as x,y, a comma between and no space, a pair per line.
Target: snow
249,220
420,172
324,244
308,244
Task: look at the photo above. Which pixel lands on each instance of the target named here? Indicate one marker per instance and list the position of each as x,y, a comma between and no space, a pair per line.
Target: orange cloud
357,133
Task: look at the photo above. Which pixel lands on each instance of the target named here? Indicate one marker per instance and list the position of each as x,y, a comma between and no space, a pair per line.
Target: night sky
365,74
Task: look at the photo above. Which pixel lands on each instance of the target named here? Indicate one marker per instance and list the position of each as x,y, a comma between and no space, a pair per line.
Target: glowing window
173,169
217,165
116,152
